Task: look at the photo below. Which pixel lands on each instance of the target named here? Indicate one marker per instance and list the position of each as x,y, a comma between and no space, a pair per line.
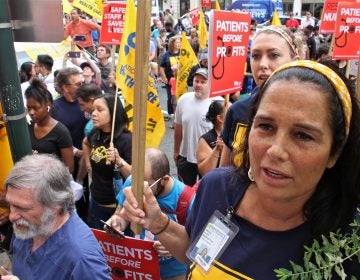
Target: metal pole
10,90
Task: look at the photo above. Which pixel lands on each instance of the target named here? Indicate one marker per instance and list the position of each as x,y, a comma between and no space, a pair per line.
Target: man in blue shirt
167,191
51,241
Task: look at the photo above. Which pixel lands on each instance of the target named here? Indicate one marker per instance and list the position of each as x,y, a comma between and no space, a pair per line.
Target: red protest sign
129,258
347,31
206,4
328,18
112,26
195,16
228,47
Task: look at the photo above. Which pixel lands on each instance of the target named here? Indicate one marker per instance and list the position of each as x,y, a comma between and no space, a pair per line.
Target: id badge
212,240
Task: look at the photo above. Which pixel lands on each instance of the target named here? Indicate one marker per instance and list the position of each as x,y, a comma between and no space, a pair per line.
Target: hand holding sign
151,218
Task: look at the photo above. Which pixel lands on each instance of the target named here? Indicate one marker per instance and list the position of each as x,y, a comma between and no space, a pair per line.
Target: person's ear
297,57
332,161
165,178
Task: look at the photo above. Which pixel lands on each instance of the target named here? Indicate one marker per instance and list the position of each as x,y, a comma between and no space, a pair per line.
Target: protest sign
112,26
206,4
228,47
195,16
129,258
347,31
88,6
328,18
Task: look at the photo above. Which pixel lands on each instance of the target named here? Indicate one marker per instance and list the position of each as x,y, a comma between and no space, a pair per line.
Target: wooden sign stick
143,16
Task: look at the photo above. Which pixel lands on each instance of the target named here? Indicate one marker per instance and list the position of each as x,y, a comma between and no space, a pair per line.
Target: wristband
165,227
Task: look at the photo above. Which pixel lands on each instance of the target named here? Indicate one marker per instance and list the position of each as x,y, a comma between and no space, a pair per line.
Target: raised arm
172,235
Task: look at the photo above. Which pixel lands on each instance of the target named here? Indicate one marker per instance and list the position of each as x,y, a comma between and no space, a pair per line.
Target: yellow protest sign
88,6
67,6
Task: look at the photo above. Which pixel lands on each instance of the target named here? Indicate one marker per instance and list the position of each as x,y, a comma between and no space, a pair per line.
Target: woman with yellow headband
271,47
299,179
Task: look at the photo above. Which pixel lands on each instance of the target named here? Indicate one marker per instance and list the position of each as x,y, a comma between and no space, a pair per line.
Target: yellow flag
217,5
125,79
275,19
67,7
203,33
100,5
89,6
187,60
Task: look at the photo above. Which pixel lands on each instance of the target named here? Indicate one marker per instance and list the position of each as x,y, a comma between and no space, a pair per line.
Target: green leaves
325,259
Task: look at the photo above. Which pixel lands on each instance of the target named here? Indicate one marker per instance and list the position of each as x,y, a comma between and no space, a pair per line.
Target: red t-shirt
83,27
292,23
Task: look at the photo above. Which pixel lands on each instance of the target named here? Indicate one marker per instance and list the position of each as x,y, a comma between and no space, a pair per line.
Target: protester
47,135
51,241
80,31
108,84
190,124
308,20
292,23
91,73
170,32
43,67
310,42
67,109
101,158
161,39
294,183
86,95
168,192
169,60
194,40
203,63
209,147
27,73
271,47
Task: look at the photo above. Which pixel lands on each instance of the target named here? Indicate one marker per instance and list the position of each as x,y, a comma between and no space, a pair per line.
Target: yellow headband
338,84
284,35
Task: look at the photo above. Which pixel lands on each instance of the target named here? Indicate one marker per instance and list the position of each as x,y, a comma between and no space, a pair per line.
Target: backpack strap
184,202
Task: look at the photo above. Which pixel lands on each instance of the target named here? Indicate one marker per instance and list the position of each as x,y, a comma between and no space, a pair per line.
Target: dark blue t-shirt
70,114
255,252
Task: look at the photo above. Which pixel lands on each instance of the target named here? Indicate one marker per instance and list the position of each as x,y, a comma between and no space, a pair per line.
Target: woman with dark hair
102,158
208,150
27,73
47,135
299,179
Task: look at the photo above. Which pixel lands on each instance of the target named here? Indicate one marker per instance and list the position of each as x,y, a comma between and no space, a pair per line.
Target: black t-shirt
102,189
210,137
58,138
169,59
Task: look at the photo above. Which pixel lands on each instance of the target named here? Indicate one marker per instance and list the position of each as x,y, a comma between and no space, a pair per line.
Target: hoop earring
250,175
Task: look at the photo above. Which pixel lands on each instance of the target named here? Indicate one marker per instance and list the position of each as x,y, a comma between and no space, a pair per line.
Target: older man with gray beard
51,241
